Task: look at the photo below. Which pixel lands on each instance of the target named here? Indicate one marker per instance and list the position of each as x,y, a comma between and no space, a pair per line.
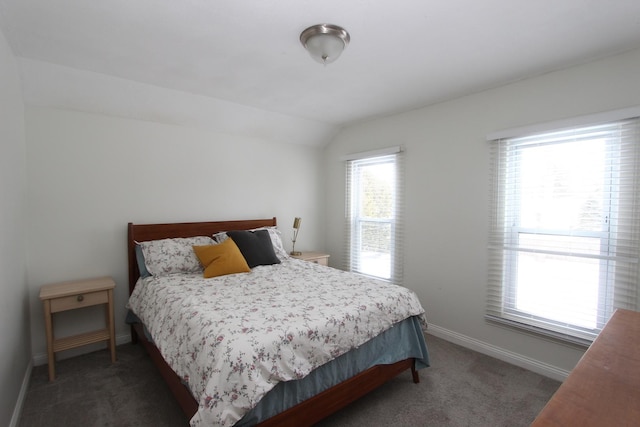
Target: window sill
554,336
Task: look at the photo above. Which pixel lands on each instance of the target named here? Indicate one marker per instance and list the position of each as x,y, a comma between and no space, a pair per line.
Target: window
564,229
374,219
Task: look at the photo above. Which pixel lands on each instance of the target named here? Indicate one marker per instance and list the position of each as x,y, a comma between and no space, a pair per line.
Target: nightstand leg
111,325
48,321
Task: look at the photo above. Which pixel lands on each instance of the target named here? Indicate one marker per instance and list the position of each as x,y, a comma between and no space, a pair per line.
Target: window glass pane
375,249
377,182
562,185
559,288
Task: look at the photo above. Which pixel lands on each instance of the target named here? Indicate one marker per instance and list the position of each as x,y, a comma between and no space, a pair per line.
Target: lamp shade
325,42
296,223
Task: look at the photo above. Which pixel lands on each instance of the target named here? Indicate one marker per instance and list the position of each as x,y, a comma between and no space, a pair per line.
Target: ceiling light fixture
325,42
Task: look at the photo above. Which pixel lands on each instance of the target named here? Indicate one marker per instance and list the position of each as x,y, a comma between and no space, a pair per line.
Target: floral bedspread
233,338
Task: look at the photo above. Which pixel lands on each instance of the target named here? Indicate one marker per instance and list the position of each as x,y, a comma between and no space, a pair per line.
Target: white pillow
276,239
169,256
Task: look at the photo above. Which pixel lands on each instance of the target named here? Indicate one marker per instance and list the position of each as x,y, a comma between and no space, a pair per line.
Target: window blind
374,216
565,229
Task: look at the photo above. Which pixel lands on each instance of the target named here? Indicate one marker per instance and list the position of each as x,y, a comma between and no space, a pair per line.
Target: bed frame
305,413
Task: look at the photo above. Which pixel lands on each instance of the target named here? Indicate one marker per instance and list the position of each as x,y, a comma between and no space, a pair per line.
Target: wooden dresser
604,387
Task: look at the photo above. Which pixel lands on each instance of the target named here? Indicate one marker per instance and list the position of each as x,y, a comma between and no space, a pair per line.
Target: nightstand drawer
77,301
321,261
314,257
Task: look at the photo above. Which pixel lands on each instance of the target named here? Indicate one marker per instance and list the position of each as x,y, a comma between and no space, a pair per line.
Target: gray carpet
461,388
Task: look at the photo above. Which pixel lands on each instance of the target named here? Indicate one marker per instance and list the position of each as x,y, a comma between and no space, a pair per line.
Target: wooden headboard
145,232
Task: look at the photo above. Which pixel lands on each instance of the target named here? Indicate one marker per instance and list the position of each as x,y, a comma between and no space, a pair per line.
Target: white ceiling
246,55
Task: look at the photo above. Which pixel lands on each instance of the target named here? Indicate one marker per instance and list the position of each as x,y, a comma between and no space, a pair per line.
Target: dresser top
604,387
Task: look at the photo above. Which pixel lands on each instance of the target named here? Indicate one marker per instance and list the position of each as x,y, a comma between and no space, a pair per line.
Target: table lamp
296,228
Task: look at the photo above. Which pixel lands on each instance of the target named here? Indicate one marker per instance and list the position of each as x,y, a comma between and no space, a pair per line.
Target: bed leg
134,336
414,372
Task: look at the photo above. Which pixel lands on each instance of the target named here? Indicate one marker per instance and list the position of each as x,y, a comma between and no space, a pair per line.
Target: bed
230,368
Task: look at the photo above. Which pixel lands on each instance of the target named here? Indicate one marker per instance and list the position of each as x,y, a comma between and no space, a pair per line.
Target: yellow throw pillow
221,259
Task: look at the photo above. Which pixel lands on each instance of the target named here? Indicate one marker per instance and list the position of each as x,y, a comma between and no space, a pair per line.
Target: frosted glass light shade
325,48
325,42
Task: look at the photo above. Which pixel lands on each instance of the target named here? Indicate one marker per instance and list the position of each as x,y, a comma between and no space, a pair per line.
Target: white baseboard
123,338
533,365
42,359
17,410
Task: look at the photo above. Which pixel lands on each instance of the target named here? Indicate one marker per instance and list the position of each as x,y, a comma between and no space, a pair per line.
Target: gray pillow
256,247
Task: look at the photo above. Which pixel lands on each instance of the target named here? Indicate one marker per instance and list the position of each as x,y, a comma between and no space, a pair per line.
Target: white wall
447,184
14,308
89,175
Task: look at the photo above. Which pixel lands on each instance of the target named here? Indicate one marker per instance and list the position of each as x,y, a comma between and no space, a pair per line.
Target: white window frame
505,245
354,220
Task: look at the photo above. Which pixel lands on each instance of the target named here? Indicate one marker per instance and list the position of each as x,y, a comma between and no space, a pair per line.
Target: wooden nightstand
315,257
69,296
